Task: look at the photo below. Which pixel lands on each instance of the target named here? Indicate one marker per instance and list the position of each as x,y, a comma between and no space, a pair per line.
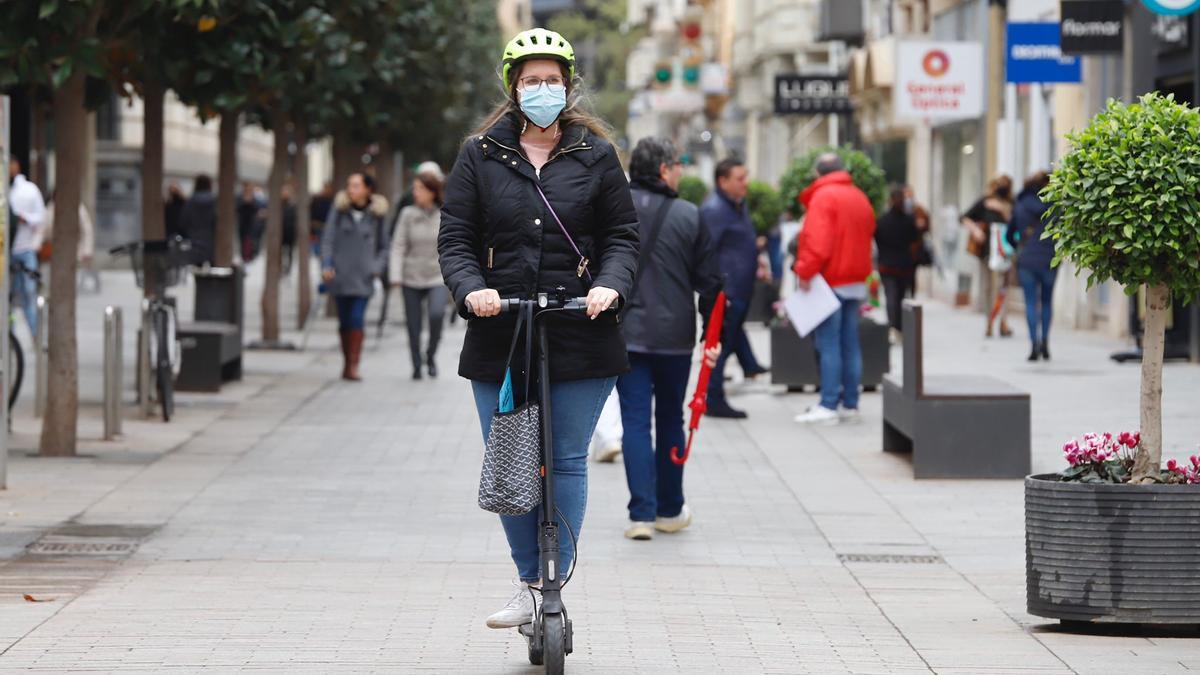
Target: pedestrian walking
1034,262
85,250
414,269
251,214
28,210
896,234
725,214
288,242
318,213
839,224
354,247
676,263
606,439
986,222
198,221
173,210
537,200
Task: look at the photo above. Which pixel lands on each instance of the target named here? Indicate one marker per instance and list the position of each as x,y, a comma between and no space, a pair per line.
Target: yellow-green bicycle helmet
537,43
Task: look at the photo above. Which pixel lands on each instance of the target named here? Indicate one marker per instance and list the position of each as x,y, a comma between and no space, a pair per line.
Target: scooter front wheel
533,642
554,643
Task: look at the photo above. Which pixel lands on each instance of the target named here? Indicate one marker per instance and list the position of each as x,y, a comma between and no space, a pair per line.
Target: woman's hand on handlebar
599,299
328,274
484,303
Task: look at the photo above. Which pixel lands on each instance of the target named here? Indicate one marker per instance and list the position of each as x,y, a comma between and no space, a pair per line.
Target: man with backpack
676,262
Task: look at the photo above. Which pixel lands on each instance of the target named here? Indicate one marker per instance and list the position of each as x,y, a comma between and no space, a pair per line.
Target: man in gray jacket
676,263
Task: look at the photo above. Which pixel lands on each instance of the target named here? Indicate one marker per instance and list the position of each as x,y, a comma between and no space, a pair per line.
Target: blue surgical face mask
543,105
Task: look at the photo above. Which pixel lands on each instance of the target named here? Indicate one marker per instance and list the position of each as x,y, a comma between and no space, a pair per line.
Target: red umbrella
712,338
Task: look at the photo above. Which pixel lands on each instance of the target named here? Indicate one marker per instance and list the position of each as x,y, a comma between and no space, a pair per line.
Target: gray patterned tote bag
509,482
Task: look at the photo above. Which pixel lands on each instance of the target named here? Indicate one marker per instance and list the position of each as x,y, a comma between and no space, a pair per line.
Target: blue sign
1033,54
1172,7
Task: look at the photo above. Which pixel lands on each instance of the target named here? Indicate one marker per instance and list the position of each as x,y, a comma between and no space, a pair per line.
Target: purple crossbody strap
582,260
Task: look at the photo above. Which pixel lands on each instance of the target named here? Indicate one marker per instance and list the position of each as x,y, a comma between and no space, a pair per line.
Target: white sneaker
520,608
849,415
608,454
818,414
674,523
639,530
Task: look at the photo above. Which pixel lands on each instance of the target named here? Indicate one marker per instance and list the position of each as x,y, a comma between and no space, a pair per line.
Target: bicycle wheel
162,367
554,643
16,369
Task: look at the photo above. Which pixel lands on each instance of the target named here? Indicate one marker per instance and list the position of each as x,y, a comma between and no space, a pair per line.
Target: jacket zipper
560,153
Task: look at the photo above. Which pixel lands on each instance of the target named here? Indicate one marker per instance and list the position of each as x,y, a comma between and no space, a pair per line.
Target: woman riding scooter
537,201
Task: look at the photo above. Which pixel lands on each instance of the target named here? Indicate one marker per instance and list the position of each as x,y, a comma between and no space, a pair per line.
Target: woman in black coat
499,239
896,235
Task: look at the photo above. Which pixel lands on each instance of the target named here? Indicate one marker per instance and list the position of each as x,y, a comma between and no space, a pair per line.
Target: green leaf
47,8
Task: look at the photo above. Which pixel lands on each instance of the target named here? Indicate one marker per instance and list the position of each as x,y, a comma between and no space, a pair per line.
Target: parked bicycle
157,265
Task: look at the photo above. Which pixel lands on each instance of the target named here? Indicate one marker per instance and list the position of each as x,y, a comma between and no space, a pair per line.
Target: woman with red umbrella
676,262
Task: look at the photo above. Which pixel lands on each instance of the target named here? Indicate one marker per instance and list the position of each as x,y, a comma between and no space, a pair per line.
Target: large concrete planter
1112,553
794,360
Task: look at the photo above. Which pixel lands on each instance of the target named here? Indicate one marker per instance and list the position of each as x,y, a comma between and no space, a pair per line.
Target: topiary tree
692,189
1125,204
765,205
868,177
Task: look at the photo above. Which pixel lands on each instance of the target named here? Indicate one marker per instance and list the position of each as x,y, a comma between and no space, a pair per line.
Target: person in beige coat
414,267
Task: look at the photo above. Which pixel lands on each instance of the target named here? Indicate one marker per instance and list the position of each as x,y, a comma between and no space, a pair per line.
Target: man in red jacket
839,226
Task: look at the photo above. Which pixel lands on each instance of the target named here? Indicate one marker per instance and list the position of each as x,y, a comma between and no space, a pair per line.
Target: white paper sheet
807,309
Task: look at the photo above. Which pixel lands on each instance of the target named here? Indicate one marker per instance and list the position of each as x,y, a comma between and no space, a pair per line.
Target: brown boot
355,339
344,339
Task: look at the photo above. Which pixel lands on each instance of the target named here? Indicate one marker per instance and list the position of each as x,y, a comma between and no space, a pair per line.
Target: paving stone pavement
303,524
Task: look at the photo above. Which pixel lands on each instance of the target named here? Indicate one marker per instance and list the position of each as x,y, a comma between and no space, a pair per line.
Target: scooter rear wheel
554,643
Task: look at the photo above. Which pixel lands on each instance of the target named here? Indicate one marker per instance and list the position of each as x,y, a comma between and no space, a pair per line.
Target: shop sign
938,80
1172,7
1033,55
1092,27
806,95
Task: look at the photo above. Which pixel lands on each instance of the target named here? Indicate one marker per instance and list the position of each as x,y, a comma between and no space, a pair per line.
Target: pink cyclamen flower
1173,466
1129,439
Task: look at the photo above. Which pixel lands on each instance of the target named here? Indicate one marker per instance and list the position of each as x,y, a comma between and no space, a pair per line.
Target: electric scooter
549,636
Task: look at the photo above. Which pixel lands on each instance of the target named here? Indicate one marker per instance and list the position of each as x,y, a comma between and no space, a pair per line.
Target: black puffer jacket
497,233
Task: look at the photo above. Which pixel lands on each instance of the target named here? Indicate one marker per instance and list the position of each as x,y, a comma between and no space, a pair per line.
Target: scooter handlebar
545,302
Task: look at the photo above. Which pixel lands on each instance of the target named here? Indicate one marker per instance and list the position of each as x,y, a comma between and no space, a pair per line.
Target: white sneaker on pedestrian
850,415
639,530
520,608
674,523
608,454
818,414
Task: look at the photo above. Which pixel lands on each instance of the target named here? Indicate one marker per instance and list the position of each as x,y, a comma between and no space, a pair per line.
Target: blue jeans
733,341
352,311
841,357
1038,286
27,287
575,408
657,384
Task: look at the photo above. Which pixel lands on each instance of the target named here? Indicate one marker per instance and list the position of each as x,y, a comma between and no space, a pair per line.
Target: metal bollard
41,355
113,372
144,403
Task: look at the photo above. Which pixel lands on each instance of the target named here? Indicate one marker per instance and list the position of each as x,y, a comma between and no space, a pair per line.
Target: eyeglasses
533,82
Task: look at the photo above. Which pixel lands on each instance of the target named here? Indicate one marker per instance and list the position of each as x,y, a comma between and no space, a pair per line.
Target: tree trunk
1147,464
274,234
153,218
303,227
346,158
226,190
385,171
60,425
